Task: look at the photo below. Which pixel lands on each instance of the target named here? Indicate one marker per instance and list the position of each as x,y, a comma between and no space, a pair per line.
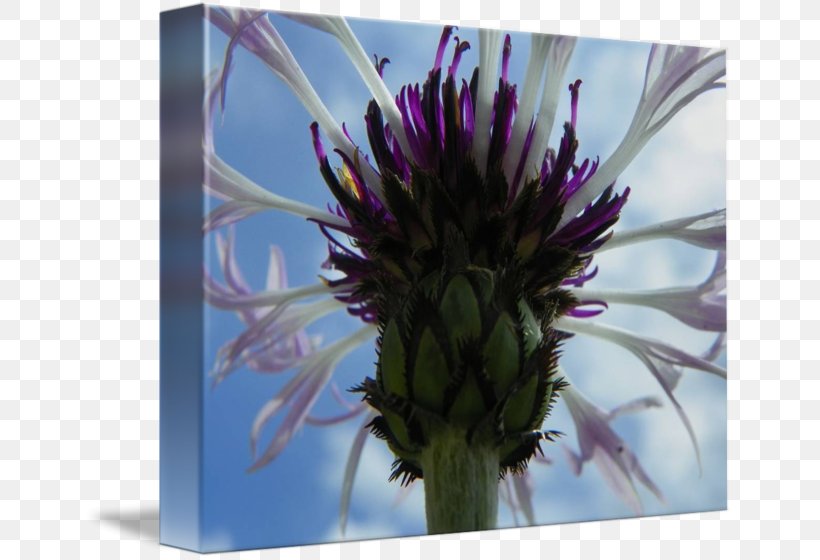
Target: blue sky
265,136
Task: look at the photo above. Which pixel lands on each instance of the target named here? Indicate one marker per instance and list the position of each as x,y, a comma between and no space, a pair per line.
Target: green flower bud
430,372
463,352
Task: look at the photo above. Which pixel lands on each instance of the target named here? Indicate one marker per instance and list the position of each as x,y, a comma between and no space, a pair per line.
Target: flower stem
460,483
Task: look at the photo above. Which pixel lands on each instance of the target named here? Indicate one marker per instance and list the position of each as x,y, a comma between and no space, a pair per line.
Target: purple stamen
585,313
380,139
596,218
547,165
442,44
461,46
347,134
407,121
579,281
317,143
467,115
502,121
573,88
505,59
414,103
401,161
578,179
380,64
519,170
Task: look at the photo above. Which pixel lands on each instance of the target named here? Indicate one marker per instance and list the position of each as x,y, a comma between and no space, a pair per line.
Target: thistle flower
464,244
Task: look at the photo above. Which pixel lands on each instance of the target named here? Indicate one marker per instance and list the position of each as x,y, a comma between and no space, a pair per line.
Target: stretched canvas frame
664,286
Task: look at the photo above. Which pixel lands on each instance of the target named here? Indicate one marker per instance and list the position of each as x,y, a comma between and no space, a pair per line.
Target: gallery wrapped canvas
424,279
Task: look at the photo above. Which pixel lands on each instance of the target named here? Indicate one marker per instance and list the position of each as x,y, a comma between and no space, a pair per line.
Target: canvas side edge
181,261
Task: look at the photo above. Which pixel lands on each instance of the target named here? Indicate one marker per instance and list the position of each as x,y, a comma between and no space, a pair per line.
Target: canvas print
422,279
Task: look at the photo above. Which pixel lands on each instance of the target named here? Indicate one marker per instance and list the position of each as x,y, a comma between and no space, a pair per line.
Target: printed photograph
457,279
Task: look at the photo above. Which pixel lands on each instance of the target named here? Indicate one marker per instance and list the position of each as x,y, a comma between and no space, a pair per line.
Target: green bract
464,352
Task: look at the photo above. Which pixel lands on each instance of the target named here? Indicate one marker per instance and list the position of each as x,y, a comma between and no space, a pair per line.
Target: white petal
489,41
314,375
558,56
699,308
633,406
600,444
526,105
522,483
276,55
277,273
227,262
340,29
633,341
223,181
351,467
675,76
707,230
618,479
657,356
264,299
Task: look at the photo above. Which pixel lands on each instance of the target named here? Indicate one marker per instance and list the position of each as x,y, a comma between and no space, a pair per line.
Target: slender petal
275,342
261,38
340,29
523,486
489,42
702,307
505,494
243,197
717,348
558,56
599,443
652,347
223,300
656,355
526,105
516,490
300,395
353,410
343,417
633,406
351,467
275,339
707,230
674,77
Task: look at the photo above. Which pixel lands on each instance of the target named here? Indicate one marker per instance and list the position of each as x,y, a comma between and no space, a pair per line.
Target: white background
79,148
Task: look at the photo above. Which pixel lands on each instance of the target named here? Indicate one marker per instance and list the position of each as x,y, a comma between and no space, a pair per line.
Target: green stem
460,483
